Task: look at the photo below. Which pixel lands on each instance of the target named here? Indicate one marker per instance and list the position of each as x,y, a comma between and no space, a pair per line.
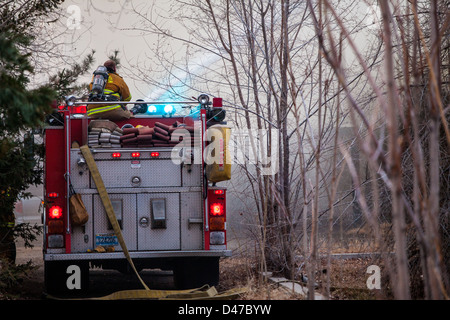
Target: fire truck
171,211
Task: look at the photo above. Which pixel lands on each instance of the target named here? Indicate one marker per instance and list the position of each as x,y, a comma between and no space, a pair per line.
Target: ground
347,278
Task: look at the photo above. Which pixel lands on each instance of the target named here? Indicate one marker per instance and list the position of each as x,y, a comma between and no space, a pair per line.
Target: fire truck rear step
137,255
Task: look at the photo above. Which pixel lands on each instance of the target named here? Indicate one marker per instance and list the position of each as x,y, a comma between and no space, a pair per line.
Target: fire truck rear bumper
136,255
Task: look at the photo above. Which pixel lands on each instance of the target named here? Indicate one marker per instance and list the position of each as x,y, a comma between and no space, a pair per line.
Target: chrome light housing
203,99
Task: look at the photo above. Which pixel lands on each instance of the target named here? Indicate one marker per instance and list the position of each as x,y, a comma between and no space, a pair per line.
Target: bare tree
295,71
418,215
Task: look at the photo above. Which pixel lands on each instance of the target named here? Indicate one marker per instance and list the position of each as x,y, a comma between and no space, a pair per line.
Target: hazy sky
100,25
107,25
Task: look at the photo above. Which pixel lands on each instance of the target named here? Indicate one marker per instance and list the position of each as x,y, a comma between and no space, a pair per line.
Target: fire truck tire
66,278
192,273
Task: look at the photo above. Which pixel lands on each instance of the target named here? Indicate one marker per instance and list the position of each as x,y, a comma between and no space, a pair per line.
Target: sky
103,25
107,25
98,25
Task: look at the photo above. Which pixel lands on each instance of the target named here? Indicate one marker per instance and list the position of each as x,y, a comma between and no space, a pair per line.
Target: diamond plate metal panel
82,239
159,239
151,173
126,154
79,173
101,223
191,175
191,221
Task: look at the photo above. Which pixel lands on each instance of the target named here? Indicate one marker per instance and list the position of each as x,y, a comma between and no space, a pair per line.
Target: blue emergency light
165,110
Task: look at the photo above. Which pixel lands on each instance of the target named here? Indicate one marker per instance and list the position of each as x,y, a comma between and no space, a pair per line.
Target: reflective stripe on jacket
102,108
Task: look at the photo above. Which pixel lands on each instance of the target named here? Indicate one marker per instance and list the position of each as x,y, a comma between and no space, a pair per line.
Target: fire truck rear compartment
158,203
162,207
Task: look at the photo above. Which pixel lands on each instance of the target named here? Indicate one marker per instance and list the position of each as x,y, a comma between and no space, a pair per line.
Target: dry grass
242,272
347,280
348,277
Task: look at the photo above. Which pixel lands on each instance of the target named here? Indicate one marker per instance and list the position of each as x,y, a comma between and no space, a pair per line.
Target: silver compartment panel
179,185
191,221
151,173
159,239
82,238
101,223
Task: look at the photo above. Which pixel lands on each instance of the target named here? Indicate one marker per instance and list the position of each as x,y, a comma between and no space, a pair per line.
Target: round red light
216,209
55,212
154,154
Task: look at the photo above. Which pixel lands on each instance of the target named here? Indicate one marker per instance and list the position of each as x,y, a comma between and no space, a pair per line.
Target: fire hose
108,206
204,292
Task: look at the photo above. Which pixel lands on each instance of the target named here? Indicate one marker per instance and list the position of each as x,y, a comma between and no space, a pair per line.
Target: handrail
73,103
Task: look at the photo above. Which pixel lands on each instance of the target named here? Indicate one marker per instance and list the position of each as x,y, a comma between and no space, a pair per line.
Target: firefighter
115,89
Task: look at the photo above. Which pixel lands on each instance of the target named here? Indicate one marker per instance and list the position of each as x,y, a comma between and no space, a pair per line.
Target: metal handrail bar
70,103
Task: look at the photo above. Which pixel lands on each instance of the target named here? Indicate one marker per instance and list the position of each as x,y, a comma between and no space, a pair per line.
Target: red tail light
53,195
154,154
217,209
116,155
79,109
135,154
217,217
217,212
55,212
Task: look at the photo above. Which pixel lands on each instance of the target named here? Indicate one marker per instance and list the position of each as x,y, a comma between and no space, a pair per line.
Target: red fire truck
171,215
